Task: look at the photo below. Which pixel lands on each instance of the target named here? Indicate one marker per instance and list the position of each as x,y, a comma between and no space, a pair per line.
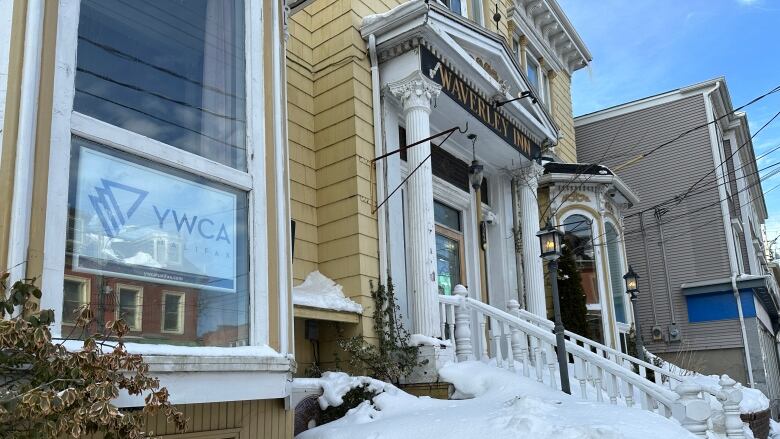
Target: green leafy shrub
47,391
390,356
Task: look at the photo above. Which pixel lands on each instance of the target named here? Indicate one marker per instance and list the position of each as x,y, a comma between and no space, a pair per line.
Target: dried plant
49,391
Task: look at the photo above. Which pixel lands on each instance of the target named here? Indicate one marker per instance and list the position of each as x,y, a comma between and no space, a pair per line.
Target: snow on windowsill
318,291
189,351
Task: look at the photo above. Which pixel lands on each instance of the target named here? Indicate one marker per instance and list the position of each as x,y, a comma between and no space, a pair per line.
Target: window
532,70
578,236
454,6
173,313
616,272
449,247
159,197
75,294
130,305
169,70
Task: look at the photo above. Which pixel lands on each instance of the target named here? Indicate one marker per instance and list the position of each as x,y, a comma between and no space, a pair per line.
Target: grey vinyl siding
695,243
736,206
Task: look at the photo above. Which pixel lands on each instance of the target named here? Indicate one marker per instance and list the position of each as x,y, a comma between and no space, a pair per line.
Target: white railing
520,340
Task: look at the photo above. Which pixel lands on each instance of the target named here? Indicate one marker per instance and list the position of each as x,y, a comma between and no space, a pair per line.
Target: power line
698,127
723,162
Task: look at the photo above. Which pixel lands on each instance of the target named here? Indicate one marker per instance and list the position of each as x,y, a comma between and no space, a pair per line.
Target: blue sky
645,47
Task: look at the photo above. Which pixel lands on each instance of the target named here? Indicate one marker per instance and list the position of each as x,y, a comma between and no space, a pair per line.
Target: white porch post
533,271
415,92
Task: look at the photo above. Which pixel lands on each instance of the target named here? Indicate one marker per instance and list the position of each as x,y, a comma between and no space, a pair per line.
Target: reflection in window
75,294
449,247
130,305
169,70
173,312
616,272
161,230
579,236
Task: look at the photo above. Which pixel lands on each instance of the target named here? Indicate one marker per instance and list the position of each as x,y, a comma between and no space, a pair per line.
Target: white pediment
476,54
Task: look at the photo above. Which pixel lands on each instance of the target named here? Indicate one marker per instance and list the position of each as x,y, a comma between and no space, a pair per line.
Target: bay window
616,272
161,184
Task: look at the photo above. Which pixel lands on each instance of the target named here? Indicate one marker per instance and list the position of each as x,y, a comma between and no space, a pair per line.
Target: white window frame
66,123
623,266
136,325
86,288
181,314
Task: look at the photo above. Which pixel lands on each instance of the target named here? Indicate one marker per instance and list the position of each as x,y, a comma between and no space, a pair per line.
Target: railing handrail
660,393
585,340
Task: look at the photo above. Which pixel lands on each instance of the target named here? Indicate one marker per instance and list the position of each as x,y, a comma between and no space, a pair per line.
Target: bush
391,356
351,399
47,391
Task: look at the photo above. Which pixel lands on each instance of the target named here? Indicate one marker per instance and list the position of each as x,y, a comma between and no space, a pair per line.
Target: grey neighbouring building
708,300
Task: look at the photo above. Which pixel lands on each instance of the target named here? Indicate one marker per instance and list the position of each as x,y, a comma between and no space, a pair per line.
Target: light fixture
523,95
476,170
632,288
550,240
631,279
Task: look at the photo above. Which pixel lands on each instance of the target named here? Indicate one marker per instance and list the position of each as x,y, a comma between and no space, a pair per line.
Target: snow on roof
319,291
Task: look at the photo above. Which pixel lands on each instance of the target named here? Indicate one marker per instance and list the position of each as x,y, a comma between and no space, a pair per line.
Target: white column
529,211
415,93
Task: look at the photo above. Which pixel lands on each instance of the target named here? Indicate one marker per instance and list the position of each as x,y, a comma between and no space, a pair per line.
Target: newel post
730,400
463,349
690,409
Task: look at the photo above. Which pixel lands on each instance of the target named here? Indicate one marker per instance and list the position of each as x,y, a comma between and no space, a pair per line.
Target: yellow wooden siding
256,419
560,89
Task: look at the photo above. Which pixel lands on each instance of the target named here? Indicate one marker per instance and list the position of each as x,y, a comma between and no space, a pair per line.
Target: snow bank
753,400
424,340
504,405
199,351
318,291
336,384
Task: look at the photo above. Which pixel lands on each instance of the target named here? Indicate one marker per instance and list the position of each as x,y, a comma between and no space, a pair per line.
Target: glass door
449,248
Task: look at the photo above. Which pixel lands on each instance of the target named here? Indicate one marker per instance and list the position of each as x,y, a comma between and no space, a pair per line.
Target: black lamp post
550,240
632,289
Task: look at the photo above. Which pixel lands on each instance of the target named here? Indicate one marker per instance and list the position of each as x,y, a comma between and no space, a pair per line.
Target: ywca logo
107,204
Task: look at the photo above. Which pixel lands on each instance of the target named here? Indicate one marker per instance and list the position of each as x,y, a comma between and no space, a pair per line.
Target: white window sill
171,358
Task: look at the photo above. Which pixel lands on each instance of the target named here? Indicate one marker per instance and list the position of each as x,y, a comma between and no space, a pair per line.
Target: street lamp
632,289
550,240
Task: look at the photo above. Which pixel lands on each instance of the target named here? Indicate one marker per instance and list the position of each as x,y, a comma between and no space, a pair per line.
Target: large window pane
447,263
579,236
170,70
179,238
616,272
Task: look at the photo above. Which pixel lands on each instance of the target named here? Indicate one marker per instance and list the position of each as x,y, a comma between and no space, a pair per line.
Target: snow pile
318,291
753,400
503,405
336,384
424,340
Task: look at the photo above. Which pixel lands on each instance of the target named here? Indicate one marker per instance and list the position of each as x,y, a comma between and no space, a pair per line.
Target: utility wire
698,127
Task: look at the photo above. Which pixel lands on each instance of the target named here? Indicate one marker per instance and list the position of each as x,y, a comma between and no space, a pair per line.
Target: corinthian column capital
531,174
415,91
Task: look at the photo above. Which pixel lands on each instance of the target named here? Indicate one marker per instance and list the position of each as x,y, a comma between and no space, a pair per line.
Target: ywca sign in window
145,223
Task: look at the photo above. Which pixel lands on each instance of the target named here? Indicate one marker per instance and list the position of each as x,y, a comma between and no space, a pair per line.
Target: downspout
21,203
742,327
381,175
658,216
647,264
730,245
518,244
